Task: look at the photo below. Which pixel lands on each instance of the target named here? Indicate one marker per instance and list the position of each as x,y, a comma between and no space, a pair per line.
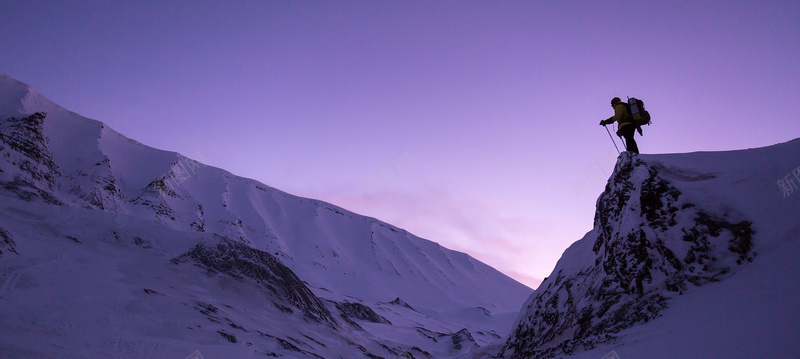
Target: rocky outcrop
23,146
361,312
96,187
32,175
650,244
243,262
7,244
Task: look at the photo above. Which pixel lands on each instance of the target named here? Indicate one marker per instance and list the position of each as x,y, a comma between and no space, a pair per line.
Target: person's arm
619,113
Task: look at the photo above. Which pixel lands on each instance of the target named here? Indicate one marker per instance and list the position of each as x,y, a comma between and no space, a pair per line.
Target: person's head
615,101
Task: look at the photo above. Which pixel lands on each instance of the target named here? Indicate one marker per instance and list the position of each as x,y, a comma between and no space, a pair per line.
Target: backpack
639,115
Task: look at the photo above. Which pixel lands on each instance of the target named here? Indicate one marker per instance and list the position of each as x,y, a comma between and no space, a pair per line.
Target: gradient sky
472,124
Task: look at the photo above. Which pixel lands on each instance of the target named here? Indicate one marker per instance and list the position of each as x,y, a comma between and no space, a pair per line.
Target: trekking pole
612,139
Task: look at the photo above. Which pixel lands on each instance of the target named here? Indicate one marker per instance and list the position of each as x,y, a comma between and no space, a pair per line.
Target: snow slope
692,256
110,248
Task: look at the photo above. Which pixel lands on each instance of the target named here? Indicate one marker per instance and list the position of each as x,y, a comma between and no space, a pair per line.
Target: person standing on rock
626,127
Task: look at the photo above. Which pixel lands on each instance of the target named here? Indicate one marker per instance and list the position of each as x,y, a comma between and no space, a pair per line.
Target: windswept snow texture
691,256
110,248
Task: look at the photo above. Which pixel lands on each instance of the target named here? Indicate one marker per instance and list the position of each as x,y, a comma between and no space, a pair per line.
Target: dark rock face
243,262
287,345
463,338
402,303
153,197
651,245
361,312
97,187
23,145
460,340
7,243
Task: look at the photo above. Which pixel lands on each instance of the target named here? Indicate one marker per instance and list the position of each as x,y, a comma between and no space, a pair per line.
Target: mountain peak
665,226
210,238
20,99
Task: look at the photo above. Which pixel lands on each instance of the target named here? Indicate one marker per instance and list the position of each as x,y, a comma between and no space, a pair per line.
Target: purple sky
473,124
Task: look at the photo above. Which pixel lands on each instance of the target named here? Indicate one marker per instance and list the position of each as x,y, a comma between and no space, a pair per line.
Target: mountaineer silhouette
626,124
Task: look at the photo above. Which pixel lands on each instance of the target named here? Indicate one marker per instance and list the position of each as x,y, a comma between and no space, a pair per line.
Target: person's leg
630,143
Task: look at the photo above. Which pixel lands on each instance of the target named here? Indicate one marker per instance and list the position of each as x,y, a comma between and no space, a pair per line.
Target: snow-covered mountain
691,256
110,248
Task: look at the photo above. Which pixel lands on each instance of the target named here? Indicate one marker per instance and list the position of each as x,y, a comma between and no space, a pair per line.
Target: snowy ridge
118,202
670,228
99,168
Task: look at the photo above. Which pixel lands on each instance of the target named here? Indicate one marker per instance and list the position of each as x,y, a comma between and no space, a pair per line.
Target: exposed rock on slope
24,146
284,275
650,243
240,261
